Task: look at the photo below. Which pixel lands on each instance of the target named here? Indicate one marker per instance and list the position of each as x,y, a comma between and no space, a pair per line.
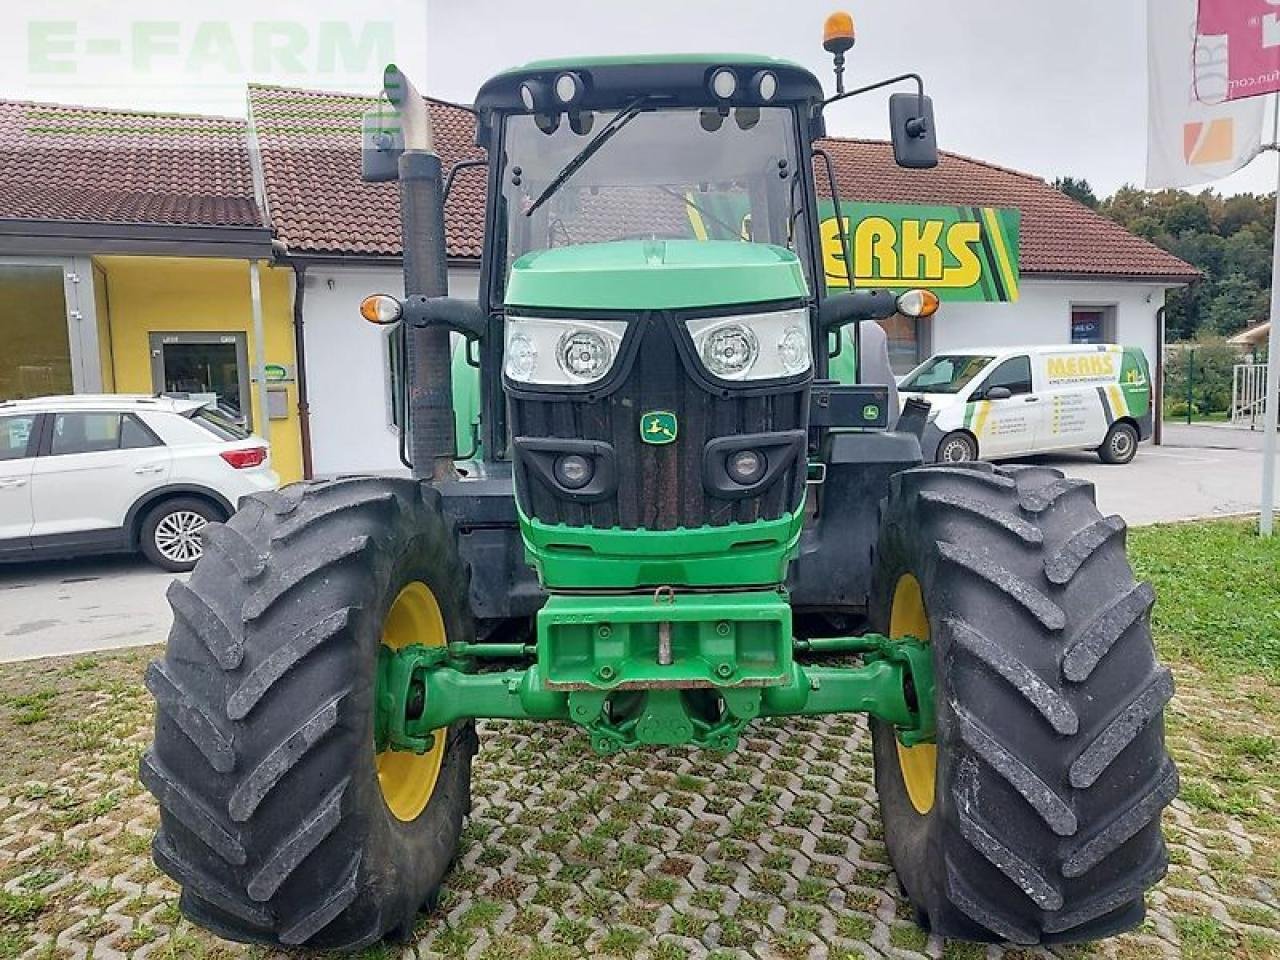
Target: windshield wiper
620,120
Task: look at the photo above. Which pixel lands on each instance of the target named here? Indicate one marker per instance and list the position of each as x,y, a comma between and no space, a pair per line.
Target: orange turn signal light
381,309
918,303
837,33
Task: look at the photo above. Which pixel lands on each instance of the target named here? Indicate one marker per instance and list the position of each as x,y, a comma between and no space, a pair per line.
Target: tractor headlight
757,346
561,352
730,350
584,354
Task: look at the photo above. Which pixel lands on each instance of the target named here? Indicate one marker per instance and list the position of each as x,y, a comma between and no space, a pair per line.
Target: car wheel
171,533
957,447
1120,445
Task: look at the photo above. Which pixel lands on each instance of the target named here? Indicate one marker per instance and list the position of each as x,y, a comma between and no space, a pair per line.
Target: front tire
276,817
1036,816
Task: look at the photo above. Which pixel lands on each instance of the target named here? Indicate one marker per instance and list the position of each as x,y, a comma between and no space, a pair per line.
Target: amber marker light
381,309
837,33
918,303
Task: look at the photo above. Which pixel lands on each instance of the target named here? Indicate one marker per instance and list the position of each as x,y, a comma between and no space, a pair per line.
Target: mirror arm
453,172
876,86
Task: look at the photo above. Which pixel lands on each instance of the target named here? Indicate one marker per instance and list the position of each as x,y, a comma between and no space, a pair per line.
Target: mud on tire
271,815
1052,770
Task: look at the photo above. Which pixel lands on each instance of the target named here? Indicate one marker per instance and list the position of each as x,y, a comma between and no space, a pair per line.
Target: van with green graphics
1013,401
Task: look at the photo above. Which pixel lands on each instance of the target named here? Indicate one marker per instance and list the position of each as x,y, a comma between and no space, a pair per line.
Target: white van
1012,401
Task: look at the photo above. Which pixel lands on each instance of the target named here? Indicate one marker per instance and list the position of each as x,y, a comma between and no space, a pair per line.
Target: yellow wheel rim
407,779
919,764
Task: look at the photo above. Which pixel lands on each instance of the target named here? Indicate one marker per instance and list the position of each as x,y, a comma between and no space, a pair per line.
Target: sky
1048,87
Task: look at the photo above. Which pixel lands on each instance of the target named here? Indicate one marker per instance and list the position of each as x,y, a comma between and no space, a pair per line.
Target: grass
1218,589
775,850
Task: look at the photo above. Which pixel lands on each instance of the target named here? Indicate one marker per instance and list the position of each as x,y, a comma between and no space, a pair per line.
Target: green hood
655,275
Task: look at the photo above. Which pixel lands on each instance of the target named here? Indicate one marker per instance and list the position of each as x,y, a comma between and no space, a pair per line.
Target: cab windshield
666,174
948,373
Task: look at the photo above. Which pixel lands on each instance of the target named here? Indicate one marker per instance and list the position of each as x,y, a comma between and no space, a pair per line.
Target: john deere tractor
660,489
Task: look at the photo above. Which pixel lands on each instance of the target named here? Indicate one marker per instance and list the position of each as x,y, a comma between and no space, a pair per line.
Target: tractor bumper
660,670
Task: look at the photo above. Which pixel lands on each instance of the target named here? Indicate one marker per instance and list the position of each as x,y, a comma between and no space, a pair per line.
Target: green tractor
686,501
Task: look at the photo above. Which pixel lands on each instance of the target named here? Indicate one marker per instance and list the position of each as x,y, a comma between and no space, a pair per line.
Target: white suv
109,474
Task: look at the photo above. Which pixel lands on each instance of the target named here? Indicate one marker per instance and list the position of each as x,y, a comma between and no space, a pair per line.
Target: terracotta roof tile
318,203
118,166
310,147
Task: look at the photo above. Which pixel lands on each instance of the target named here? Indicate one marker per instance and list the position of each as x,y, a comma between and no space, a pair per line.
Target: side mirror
915,140
998,393
382,144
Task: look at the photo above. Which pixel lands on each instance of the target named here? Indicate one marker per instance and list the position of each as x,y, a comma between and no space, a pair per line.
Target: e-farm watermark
210,50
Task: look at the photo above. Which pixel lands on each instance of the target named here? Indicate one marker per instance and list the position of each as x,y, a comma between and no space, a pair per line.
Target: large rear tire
277,819
1036,816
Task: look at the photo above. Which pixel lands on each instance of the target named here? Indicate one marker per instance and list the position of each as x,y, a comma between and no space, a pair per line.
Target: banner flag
1191,139
1245,34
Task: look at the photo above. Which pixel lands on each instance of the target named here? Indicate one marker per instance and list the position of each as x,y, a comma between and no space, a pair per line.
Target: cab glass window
15,436
1014,374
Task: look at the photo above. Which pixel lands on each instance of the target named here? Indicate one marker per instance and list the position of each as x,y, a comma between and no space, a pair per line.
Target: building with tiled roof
135,257
1082,275
319,205
139,234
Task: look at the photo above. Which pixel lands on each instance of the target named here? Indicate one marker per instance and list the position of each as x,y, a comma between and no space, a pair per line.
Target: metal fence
1248,394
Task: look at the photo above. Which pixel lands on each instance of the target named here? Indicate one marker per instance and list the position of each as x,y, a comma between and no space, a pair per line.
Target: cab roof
675,80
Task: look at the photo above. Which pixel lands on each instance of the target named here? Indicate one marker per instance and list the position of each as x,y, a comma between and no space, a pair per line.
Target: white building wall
347,384
1042,315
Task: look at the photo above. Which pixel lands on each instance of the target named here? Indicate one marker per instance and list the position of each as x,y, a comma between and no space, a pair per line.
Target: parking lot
77,606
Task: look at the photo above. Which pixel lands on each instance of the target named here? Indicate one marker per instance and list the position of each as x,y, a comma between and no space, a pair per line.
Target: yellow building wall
188,295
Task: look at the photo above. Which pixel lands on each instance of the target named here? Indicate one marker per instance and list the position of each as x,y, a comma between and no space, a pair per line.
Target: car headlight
756,346
561,352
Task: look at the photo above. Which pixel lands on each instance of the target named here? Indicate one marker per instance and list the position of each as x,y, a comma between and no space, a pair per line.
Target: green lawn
1218,590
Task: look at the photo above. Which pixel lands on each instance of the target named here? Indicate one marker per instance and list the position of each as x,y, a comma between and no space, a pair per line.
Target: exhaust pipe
427,350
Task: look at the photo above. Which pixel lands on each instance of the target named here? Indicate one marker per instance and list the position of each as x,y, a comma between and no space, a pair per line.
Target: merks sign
960,253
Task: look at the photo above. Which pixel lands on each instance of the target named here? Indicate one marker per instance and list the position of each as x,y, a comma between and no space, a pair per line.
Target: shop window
906,337
36,357
1093,324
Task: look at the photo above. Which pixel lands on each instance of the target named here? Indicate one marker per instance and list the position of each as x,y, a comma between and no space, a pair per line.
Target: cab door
19,436
1007,425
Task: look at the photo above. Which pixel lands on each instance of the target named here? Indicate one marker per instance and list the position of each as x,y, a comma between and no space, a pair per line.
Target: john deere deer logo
658,427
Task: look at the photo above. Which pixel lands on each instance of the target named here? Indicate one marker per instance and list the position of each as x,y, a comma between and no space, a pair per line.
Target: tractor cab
681,167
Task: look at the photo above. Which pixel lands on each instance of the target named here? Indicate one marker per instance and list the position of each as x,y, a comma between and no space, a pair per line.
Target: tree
1078,190
1227,238
1237,302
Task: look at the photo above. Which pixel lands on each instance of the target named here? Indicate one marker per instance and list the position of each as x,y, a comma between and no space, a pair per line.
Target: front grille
660,487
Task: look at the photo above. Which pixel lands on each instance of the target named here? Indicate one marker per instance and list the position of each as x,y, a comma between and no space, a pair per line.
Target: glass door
204,366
